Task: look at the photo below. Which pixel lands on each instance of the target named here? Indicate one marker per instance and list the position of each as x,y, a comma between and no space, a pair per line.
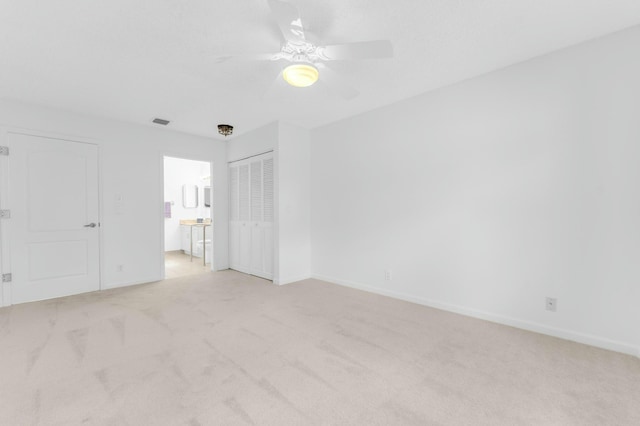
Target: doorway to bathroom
188,230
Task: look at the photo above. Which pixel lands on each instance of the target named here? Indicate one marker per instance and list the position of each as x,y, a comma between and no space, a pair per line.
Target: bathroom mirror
189,196
207,196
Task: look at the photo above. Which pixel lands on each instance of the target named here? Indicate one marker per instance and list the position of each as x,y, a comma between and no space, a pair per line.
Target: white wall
293,205
487,196
292,236
258,141
131,164
179,172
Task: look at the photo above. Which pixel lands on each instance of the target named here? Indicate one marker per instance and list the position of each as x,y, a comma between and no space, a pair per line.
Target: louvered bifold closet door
268,215
234,217
257,239
251,214
244,211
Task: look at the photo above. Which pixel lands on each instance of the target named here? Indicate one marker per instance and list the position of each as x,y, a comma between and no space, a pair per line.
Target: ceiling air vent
161,121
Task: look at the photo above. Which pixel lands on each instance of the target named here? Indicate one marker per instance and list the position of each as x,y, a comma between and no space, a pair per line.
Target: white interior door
234,217
266,225
257,237
54,226
251,215
244,263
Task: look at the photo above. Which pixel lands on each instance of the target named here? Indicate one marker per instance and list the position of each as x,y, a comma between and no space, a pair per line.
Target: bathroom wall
178,172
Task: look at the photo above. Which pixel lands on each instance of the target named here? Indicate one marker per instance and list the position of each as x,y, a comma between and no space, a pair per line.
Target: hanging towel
167,209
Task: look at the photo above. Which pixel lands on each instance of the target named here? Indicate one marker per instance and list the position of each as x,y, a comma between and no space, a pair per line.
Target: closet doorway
188,226
251,215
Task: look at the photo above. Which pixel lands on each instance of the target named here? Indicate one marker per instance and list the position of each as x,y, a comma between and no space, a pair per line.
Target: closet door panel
243,193
267,242
234,206
256,191
234,244
234,217
257,261
257,250
244,257
266,225
251,216
244,212
267,193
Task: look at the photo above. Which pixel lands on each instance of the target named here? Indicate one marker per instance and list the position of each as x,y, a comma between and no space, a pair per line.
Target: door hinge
5,214
4,150
6,278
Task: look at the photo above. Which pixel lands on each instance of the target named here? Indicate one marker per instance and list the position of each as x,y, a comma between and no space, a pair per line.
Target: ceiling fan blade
359,50
247,57
336,83
288,20
274,89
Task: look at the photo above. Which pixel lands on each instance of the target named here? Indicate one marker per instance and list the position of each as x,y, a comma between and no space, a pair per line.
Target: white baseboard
586,339
110,286
223,267
289,280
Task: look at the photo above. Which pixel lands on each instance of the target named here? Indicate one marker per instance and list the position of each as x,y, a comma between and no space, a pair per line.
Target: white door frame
193,157
5,226
5,258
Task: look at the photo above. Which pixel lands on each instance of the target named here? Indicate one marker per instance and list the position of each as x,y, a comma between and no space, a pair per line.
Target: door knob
91,225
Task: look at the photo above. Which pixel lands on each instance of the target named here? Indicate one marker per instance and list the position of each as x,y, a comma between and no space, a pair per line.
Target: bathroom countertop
194,222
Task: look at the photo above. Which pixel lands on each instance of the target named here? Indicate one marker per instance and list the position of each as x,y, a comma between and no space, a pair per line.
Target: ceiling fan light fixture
300,75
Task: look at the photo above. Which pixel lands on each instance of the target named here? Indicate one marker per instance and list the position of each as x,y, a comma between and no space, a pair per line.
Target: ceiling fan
306,60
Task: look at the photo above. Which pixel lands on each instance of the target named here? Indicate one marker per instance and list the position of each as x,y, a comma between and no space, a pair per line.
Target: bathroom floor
178,264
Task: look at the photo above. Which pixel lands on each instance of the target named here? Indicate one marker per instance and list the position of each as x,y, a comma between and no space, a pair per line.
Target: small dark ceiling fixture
161,121
225,129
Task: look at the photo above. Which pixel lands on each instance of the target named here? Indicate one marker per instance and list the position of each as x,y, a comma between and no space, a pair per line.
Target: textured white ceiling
135,60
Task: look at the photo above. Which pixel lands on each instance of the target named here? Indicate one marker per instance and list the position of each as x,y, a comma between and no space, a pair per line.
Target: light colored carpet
228,349
177,264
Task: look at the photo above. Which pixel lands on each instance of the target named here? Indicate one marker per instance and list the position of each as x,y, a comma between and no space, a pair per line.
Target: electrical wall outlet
388,275
118,204
551,304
